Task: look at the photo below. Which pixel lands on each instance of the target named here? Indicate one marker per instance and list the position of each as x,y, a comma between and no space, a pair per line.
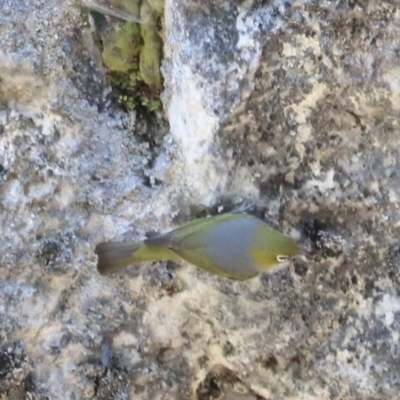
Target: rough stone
292,106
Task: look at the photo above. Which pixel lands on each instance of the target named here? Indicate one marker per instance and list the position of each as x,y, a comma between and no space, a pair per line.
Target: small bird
236,246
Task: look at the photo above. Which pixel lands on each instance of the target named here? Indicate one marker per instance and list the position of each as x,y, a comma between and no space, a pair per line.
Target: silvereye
237,246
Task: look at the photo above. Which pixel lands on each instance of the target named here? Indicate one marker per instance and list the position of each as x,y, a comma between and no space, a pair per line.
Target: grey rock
291,106
14,366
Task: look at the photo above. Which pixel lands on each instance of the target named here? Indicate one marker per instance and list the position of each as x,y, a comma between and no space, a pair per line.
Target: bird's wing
189,236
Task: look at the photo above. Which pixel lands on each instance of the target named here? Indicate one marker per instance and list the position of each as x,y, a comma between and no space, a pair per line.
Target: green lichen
150,54
128,102
151,104
132,54
131,6
157,6
121,48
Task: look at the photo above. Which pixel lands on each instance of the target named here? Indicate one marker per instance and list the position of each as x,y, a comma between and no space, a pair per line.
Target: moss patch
132,54
121,48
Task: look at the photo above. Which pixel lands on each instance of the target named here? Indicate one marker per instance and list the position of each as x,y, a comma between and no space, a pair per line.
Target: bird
232,245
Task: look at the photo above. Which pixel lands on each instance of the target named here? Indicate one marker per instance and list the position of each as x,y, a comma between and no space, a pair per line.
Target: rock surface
293,106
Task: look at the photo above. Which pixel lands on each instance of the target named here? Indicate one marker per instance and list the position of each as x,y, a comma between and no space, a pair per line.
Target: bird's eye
281,258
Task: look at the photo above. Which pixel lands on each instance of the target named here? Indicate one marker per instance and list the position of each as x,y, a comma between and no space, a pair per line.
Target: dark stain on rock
14,366
223,384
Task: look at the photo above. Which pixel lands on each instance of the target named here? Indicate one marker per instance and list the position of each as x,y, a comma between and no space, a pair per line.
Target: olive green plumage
237,246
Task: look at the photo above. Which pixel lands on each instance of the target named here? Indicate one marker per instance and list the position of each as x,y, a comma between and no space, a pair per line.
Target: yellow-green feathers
268,245
237,246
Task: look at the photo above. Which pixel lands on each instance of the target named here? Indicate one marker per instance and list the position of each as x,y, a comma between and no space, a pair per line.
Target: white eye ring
282,258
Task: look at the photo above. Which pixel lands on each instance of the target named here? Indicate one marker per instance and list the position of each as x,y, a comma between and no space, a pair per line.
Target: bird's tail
113,256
